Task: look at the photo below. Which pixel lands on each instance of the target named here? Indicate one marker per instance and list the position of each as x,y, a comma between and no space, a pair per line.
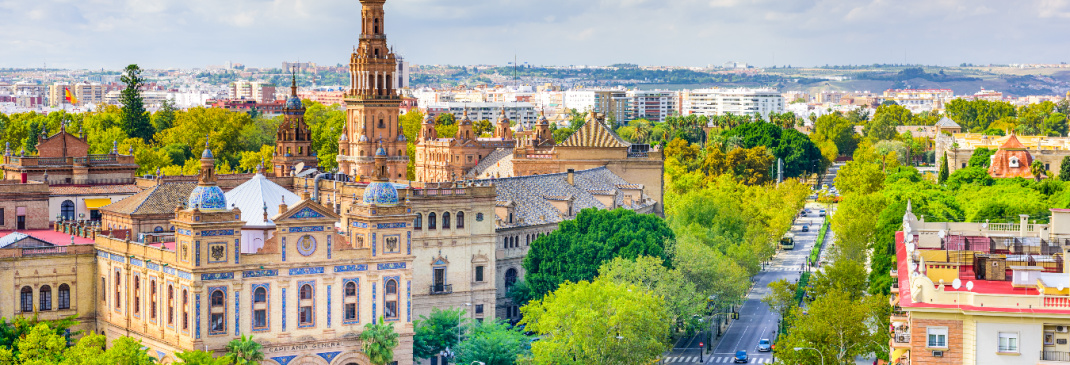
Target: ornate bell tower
293,140
372,103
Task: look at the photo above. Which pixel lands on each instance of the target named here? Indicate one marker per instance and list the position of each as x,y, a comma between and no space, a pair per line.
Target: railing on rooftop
638,154
44,251
1055,356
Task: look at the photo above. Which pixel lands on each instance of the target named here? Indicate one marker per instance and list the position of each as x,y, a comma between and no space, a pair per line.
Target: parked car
764,345
741,357
806,229
821,214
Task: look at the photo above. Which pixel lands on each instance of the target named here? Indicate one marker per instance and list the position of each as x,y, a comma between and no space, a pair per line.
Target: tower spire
293,81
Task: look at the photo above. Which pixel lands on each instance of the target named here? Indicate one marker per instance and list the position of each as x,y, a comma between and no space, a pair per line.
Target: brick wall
54,146
920,354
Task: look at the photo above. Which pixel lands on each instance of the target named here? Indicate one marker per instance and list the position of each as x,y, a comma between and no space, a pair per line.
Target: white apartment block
85,92
652,105
713,102
520,112
260,91
615,104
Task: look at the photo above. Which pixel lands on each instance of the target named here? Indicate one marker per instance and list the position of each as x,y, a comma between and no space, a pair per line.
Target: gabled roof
496,164
253,195
22,240
946,122
306,209
594,134
159,199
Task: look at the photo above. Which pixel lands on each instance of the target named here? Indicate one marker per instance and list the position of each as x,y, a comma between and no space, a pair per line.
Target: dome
207,153
207,198
380,152
380,193
294,102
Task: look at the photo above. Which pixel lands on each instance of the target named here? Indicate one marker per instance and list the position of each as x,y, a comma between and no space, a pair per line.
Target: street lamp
819,355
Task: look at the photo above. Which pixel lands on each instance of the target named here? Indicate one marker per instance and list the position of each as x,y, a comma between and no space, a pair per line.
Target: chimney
1023,222
571,177
25,177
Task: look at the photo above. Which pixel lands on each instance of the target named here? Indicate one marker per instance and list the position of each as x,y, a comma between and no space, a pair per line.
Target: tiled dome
210,198
294,103
381,193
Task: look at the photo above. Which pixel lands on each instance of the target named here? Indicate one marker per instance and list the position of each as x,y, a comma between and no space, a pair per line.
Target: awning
96,203
894,358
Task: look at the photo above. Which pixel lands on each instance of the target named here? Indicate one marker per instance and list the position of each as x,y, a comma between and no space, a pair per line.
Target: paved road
756,321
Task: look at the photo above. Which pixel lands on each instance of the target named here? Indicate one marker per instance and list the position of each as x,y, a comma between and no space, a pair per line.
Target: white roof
1055,280
12,238
253,195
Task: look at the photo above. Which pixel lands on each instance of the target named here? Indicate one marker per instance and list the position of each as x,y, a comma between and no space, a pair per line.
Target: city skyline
171,34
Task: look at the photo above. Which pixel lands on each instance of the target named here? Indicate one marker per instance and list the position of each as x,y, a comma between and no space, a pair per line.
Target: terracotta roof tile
93,189
163,198
594,134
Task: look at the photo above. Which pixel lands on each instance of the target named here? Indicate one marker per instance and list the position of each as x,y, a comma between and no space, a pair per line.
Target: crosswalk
713,360
783,268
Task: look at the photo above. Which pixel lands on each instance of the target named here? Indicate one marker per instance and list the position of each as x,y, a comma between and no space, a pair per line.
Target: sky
262,33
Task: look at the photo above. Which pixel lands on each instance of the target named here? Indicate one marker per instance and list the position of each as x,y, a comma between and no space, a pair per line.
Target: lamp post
819,355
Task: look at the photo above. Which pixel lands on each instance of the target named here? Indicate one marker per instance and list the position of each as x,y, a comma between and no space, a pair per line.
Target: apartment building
711,102
981,293
84,92
259,91
652,105
616,105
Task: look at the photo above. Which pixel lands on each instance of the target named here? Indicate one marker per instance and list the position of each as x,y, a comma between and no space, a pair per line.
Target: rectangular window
937,337
479,309
260,318
219,324
306,315
479,273
1008,342
1,216
351,311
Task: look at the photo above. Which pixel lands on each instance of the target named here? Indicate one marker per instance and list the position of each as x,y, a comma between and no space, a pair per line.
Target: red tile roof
93,189
53,237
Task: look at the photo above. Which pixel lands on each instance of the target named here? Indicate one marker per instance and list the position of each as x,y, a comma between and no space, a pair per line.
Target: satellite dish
941,233
1060,288
910,247
984,225
956,284
300,166
969,285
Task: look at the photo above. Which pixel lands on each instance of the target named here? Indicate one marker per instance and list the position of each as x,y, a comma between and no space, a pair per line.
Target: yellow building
981,293
306,293
960,147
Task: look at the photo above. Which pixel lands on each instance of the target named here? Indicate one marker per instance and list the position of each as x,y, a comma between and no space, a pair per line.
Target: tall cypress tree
135,119
943,169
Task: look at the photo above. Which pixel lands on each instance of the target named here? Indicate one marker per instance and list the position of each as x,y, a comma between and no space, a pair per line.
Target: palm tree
1037,169
378,342
244,351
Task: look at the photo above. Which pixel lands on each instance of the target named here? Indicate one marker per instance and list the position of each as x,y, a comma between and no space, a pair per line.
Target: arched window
118,294
64,296
305,317
26,299
152,299
66,209
170,305
218,319
446,220
510,278
158,229
45,298
430,220
419,221
350,300
460,219
381,124
137,295
390,299
260,307
185,310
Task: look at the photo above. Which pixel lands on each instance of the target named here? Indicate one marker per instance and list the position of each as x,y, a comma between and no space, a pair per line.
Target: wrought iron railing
439,289
1055,356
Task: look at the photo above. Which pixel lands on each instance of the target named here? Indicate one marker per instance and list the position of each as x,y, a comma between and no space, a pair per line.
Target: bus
787,242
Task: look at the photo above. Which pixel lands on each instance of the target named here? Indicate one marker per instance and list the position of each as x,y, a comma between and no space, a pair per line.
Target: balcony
441,289
901,339
1055,356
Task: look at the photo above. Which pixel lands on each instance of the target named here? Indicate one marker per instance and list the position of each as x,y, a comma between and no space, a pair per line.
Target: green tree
839,328
649,273
1064,169
943,169
561,134
1038,170
576,250
839,130
201,357
493,343
135,118
326,123
862,177
981,157
437,332
378,342
244,351
41,346
885,119
482,126
597,323
164,118
89,350
128,351
781,297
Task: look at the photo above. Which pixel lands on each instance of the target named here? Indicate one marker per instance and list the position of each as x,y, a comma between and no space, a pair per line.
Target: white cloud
174,33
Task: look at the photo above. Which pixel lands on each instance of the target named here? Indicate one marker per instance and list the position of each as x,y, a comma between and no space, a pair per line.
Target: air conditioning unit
938,353
1060,329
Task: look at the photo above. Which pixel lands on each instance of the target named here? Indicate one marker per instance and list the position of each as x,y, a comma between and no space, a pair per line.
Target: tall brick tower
293,140
372,104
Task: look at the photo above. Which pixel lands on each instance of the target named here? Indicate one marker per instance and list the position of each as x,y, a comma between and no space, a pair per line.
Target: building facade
959,147
446,159
713,102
